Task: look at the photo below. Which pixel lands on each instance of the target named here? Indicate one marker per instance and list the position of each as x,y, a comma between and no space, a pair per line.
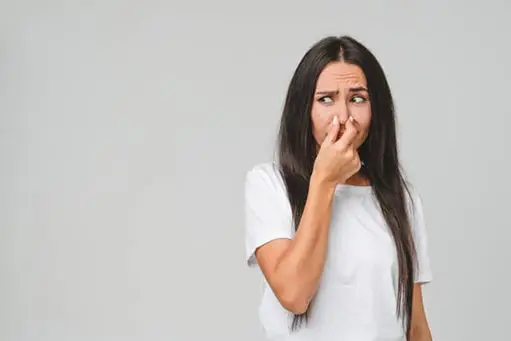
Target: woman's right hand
337,159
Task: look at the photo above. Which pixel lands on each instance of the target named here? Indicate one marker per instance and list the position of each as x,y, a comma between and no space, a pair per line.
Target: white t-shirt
356,299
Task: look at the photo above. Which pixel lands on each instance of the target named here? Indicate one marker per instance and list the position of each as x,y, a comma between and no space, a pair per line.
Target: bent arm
293,267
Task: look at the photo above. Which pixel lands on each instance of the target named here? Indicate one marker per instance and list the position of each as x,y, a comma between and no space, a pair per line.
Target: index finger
350,132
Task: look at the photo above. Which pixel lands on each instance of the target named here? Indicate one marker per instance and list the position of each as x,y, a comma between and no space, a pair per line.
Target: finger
333,131
350,132
355,123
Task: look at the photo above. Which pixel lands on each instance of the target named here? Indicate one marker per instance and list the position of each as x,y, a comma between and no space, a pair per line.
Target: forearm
300,268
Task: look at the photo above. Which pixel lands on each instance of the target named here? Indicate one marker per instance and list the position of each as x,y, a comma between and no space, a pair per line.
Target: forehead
341,74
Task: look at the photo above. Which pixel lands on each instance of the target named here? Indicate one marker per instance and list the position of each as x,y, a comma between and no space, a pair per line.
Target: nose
342,112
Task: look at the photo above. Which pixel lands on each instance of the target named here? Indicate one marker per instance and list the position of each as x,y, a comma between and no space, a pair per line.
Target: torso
356,299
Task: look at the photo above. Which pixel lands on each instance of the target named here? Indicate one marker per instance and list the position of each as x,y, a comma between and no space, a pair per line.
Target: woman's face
341,91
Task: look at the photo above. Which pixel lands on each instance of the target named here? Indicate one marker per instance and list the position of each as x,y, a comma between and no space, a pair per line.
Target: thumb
333,131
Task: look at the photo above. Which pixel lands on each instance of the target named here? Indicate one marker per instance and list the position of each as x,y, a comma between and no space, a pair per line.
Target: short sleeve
423,273
267,210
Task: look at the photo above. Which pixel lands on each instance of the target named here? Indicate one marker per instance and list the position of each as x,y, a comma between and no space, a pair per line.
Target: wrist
321,184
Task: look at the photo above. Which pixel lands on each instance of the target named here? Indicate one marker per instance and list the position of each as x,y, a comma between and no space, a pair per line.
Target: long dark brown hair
297,151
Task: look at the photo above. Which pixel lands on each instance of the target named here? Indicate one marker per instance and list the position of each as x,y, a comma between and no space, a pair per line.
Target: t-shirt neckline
353,189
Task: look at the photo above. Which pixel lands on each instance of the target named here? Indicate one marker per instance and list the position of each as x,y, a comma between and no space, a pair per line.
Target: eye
326,99
358,99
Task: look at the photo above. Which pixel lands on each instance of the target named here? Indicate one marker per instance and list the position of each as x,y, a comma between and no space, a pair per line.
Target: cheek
363,117
320,121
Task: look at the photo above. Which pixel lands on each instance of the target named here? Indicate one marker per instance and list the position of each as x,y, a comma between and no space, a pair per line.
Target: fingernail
335,120
351,118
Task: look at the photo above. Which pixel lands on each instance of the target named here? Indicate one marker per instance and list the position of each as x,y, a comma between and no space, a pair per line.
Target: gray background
127,127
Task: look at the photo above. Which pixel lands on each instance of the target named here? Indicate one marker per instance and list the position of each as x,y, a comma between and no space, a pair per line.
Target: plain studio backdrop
127,128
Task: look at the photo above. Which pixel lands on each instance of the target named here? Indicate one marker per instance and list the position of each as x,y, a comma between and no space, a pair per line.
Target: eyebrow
332,92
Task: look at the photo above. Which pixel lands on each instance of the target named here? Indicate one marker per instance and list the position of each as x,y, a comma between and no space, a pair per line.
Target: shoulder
266,174
264,182
415,208
413,199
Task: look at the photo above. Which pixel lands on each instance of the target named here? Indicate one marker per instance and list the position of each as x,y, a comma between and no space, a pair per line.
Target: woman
333,226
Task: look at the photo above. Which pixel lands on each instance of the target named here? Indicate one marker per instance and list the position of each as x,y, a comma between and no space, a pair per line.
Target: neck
358,179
